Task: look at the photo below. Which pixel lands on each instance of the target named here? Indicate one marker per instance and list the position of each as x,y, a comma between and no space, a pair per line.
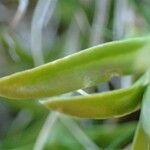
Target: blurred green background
35,32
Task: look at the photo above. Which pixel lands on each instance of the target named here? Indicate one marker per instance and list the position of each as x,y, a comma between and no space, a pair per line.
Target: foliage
94,119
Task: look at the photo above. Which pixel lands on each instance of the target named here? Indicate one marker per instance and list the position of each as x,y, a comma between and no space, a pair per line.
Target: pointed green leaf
80,70
106,105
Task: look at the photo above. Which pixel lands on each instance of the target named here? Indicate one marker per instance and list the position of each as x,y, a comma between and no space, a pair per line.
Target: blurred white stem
126,81
12,48
72,43
82,21
42,14
82,92
46,129
21,10
124,18
79,134
99,21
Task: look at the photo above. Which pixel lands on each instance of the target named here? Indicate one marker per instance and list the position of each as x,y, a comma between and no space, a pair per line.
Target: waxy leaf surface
105,105
80,70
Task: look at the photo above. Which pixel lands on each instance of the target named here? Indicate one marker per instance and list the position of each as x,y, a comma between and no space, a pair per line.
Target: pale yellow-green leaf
104,105
80,70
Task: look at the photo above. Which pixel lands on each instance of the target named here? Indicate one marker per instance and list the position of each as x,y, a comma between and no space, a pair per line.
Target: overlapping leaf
106,105
76,71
